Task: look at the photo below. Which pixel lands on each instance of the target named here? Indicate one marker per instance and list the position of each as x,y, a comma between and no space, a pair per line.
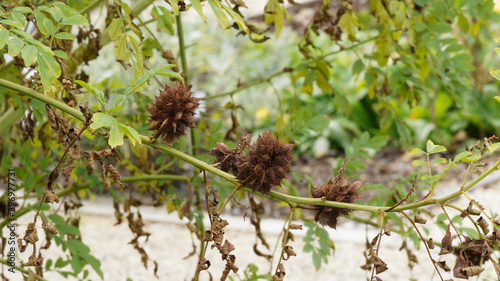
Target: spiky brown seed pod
172,113
265,164
338,190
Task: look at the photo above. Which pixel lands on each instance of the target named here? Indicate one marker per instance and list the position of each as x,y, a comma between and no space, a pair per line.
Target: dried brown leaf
430,243
387,229
50,196
459,265
446,246
288,252
66,171
52,178
443,265
419,219
295,226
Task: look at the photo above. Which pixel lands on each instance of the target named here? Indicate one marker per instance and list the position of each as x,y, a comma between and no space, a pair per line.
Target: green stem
274,195
248,85
182,48
90,6
25,271
8,118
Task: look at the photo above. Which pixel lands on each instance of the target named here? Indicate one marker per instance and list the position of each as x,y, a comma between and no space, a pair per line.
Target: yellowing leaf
221,17
115,29
417,163
115,137
416,151
198,8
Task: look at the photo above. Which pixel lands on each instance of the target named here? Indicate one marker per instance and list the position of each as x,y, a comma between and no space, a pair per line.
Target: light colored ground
171,241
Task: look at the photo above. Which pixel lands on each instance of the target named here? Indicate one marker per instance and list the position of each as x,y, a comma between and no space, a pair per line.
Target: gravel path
171,241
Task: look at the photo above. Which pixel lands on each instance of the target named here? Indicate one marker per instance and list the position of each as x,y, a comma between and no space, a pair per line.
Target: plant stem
8,118
274,195
248,85
90,6
182,48
423,241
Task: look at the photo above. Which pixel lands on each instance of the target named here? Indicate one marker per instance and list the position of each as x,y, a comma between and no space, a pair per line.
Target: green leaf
131,133
15,46
463,23
316,260
64,36
76,264
98,94
493,147
40,18
171,74
13,23
199,9
115,29
53,67
357,67
39,45
495,73
175,6
497,98
279,20
417,163
49,26
94,263
439,161
19,17
416,151
115,137
221,17
164,20
461,156
347,25
437,149
236,17
101,120
308,248
429,146
118,99
29,54
150,73
4,37
61,54
77,247
75,20
318,123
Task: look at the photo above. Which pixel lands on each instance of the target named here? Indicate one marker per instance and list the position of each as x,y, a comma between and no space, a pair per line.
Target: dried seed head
338,190
172,113
265,164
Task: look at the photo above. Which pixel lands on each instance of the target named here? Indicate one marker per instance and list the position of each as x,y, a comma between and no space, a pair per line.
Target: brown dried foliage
338,190
172,113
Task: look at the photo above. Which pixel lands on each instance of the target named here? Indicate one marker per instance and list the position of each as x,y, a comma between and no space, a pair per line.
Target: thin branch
274,195
423,241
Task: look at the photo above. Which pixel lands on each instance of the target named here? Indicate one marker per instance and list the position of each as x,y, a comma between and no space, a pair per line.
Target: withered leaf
280,273
50,196
105,178
443,265
66,171
226,249
203,265
497,268
52,178
472,270
49,229
387,229
419,219
288,252
295,226
73,154
483,224
459,265
446,246
32,238
115,175
430,243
